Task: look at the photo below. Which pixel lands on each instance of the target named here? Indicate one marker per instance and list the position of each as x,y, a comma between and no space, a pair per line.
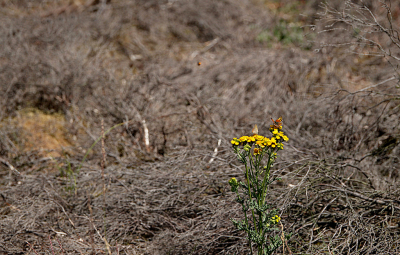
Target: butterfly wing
255,130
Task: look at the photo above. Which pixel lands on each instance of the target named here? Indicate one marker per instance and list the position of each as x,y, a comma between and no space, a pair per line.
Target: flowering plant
260,219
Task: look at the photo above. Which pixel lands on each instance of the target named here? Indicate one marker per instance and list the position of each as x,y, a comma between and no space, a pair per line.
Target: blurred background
182,78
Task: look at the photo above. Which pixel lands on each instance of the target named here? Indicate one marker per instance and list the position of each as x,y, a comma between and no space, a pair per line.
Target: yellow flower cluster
279,135
261,142
276,219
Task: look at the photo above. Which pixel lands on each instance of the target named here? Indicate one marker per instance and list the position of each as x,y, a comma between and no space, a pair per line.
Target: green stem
245,220
258,192
266,176
251,166
251,197
254,176
264,188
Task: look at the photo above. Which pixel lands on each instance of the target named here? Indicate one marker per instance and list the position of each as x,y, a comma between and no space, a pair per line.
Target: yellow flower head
276,219
233,181
259,137
243,139
234,184
235,141
257,151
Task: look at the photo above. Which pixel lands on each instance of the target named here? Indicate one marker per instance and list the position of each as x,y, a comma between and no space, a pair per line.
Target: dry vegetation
67,65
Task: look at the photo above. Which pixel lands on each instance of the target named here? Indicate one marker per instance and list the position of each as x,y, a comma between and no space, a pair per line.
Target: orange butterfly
277,124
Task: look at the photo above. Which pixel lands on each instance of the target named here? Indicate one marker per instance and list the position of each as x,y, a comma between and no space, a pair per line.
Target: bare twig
51,246
33,249
91,224
59,243
215,152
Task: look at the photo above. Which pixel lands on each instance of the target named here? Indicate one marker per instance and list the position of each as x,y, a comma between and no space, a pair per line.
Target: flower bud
234,184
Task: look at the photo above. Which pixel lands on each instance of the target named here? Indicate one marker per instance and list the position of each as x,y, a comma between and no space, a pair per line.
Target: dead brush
51,247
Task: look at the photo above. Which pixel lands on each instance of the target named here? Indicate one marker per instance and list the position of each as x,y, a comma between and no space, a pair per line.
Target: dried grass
133,61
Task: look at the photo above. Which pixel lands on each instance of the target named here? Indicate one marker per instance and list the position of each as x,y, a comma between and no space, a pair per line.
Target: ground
170,83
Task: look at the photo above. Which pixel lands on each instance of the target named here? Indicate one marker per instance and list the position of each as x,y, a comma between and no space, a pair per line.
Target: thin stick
91,224
105,241
51,246
215,152
146,135
98,139
12,168
32,248
103,162
283,240
116,244
59,243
